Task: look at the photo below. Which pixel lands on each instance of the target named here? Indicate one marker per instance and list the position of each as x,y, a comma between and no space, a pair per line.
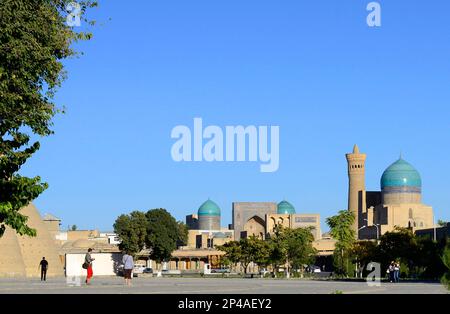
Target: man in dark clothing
44,266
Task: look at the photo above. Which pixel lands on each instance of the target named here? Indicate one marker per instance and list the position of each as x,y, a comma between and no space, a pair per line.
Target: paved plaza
212,286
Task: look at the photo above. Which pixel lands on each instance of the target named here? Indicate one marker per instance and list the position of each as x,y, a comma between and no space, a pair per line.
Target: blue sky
314,68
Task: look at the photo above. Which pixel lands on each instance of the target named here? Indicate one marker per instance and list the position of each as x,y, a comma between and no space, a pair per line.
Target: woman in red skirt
88,261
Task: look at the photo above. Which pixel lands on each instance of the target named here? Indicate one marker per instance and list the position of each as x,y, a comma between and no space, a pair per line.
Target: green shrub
446,260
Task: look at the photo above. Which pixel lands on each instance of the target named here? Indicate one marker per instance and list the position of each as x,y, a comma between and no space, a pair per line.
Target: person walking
128,264
43,265
397,272
88,266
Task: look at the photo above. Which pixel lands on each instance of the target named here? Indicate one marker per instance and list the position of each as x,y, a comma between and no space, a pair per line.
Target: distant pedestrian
44,267
397,272
88,266
391,270
128,265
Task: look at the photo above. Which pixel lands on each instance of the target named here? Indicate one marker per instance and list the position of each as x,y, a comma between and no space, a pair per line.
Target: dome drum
209,216
209,223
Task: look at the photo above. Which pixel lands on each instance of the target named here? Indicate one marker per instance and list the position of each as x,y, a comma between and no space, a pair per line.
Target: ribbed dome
285,208
401,174
209,208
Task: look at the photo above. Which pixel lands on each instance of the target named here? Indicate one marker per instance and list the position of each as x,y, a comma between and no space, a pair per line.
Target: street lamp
378,229
357,261
434,228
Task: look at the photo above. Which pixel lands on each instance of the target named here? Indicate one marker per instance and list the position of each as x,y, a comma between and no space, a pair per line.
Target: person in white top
128,265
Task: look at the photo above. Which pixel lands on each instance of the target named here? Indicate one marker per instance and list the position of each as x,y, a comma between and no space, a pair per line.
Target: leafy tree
232,251
419,256
398,245
34,39
300,250
261,251
132,231
446,261
183,233
162,234
363,253
253,250
442,223
427,258
74,228
246,251
277,249
341,230
292,248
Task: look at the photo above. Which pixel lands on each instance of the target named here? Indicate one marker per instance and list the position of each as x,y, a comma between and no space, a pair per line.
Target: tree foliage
246,251
446,261
291,247
398,245
419,256
341,229
183,233
300,250
162,234
132,231
253,250
34,40
156,230
232,255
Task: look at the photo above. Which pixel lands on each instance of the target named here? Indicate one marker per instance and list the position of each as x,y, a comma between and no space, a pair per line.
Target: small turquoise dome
285,208
209,208
401,174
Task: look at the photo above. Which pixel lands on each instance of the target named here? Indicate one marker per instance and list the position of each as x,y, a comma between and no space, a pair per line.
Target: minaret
356,186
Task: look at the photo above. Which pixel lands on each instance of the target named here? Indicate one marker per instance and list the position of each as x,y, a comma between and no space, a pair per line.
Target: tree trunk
288,273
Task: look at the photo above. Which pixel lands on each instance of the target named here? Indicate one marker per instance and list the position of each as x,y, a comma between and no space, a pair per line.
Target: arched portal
255,226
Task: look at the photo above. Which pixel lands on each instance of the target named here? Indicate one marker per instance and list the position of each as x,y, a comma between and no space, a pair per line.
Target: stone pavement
211,286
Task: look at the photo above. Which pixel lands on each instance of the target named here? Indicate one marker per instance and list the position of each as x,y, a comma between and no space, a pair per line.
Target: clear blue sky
312,67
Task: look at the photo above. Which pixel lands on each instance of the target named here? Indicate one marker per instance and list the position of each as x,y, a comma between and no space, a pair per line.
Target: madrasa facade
397,204
249,219
257,219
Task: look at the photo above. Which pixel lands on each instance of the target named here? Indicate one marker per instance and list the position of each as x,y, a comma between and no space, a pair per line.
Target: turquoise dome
401,174
285,208
209,208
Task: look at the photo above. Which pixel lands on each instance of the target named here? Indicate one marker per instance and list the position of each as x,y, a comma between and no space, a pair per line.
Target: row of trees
156,230
420,257
291,248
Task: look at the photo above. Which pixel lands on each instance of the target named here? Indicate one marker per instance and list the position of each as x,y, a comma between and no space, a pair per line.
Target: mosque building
399,203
